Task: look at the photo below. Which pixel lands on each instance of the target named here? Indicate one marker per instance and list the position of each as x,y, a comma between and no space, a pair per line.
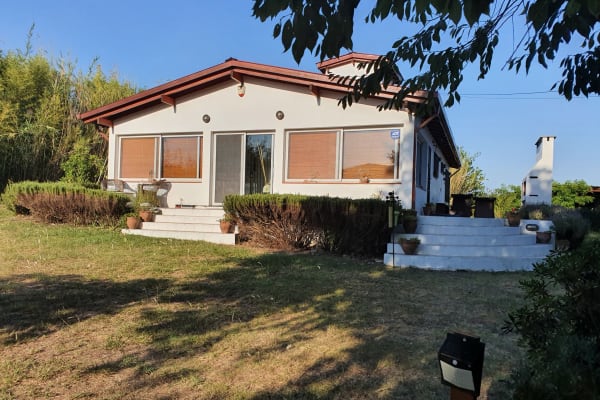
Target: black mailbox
461,362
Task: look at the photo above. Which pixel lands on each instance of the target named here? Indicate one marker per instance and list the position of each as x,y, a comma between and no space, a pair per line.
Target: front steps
199,223
458,243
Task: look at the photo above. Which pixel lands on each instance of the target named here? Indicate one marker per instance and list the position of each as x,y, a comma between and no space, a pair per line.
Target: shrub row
59,202
338,225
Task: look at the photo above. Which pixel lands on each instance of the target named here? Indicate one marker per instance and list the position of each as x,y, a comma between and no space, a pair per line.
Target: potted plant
410,245
146,213
513,217
227,224
132,220
543,236
428,209
409,221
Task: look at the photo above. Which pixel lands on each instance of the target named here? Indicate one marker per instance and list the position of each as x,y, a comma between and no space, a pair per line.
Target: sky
149,42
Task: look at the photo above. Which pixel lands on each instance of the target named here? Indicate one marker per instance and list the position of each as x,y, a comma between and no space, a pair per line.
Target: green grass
88,313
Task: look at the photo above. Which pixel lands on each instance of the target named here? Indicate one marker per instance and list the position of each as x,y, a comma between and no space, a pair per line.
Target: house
242,127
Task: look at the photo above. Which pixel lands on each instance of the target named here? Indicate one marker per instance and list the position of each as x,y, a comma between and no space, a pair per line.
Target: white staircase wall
200,223
457,243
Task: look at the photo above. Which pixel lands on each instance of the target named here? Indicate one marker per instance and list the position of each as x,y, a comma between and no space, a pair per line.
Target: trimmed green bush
559,327
342,226
60,202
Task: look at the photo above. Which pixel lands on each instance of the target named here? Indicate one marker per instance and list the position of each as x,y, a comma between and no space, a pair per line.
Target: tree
571,194
39,129
472,27
507,198
469,178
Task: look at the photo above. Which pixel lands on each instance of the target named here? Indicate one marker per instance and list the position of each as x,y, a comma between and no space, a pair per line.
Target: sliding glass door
242,164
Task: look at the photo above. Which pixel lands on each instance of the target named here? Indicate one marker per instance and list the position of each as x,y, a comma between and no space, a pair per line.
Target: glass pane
228,164
369,154
312,155
137,157
258,164
180,158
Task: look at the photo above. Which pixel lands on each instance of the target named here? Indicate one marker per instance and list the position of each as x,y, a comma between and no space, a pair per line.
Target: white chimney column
537,184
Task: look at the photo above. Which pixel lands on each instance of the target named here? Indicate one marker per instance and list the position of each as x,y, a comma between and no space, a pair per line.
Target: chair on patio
462,204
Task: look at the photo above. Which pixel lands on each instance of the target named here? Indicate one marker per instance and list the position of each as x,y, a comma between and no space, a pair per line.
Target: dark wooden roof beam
104,122
315,91
170,100
236,76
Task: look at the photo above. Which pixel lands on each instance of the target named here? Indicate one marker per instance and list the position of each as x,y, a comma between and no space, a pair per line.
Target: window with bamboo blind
312,155
342,154
138,158
181,157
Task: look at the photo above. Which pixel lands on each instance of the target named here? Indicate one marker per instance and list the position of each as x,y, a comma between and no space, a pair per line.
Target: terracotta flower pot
133,222
226,226
409,225
409,247
147,215
514,219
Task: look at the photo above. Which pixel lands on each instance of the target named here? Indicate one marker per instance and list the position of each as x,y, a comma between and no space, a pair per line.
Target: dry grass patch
89,313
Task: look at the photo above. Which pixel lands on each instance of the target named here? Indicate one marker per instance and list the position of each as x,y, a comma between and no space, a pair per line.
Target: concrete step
475,263
219,238
460,240
195,219
466,230
527,251
459,221
181,226
200,211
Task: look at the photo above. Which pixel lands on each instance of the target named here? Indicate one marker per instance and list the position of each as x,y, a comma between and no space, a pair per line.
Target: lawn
88,313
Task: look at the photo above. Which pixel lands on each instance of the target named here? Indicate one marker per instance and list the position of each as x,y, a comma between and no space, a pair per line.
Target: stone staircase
458,243
199,223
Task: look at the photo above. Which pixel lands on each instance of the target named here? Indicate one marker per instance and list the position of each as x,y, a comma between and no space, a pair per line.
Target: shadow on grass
339,293
37,304
391,320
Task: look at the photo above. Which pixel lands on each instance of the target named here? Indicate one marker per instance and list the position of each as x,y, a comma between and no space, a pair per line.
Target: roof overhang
232,69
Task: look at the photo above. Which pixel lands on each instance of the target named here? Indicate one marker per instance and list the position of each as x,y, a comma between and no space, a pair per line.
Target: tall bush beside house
559,326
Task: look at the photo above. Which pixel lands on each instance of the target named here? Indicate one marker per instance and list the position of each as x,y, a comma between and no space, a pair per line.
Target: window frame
158,156
339,155
199,147
421,162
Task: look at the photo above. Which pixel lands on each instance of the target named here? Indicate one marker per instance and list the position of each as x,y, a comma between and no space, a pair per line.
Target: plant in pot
146,212
428,209
409,245
513,217
409,221
227,224
132,220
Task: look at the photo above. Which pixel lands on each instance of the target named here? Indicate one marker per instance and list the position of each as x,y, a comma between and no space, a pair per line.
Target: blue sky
150,42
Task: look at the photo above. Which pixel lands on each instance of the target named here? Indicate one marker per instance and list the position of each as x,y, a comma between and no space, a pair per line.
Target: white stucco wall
537,183
437,188
255,113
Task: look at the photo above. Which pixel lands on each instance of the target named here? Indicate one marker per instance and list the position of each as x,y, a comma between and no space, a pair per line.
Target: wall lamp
461,365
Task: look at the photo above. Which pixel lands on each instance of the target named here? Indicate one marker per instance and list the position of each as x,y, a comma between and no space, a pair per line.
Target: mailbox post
461,365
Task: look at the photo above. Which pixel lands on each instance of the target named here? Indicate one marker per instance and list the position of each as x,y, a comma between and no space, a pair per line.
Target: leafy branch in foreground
472,27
